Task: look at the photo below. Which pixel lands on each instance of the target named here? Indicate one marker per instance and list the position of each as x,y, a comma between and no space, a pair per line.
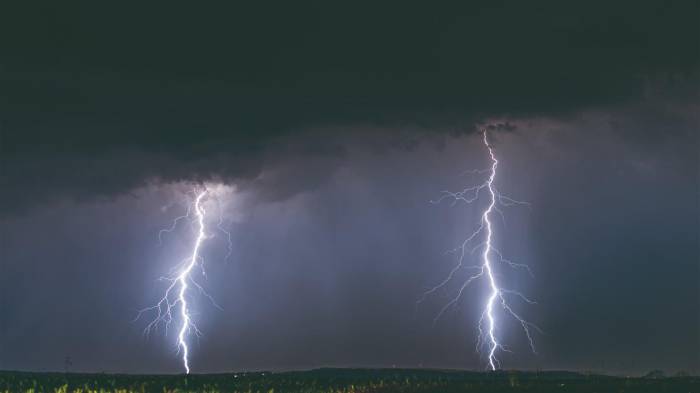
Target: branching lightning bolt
485,270
180,279
183,278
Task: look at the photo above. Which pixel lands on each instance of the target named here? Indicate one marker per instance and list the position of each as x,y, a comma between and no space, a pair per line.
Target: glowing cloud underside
488,323
178,291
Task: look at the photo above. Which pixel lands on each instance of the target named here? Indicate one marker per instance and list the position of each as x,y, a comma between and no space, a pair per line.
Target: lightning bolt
175,297
187,324
488,330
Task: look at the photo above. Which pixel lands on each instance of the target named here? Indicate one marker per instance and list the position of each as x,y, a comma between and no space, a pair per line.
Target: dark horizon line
571,373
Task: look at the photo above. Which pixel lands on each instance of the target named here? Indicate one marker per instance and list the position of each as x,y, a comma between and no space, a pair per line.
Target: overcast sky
331,128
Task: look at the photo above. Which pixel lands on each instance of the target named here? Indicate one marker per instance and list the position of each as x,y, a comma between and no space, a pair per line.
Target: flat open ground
344,380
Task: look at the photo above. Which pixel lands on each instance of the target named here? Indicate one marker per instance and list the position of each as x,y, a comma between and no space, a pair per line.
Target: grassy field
343,380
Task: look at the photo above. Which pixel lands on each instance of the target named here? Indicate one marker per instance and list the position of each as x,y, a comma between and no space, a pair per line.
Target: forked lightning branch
490,258
176,303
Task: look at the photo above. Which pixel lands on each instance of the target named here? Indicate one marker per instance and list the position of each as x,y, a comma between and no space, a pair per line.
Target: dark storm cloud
174,92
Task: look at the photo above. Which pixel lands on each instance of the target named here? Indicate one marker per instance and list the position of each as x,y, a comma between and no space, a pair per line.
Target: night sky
333,127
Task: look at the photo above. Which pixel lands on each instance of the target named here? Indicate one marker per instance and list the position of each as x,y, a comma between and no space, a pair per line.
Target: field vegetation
343,381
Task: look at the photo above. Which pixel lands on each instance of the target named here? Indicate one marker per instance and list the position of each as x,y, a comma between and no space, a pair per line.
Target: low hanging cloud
221,97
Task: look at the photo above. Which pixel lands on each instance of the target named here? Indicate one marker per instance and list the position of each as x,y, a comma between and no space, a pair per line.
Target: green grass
341,381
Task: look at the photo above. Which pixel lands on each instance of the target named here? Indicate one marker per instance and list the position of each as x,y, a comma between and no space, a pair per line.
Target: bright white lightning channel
488,329
177,292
